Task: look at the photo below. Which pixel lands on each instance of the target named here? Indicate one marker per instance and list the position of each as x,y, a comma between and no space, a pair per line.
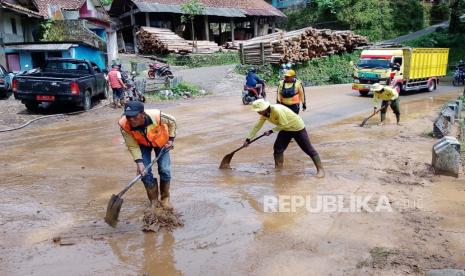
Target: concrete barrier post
446,156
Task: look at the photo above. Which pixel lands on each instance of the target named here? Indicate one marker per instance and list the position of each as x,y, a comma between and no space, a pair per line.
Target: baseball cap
132,108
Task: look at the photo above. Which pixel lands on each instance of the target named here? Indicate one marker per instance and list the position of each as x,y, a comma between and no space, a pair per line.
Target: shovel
227,159
376,112
116,201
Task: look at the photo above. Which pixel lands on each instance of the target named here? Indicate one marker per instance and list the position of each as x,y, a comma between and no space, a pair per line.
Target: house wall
112,46
9,36
2,49
25,57
84,52
71,15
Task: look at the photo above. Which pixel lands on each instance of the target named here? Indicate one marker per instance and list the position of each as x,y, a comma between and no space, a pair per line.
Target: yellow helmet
260,105
376,87
289,73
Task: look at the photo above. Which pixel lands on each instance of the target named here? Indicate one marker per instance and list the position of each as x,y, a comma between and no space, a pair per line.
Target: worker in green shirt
389,97
290,126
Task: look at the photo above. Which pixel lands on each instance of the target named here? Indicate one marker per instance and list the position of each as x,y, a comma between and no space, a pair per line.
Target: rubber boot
278,160
152,191
320,171
165,194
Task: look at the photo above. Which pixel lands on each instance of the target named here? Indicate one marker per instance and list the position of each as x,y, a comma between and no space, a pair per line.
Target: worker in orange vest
117,85
144,131
291,92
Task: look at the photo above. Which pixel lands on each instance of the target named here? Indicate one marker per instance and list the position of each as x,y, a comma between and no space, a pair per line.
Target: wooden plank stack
160,41
205,46
298,46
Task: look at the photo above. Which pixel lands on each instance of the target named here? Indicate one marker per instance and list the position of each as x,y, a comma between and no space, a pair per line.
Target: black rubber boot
278,160
165,194
320,171
152,190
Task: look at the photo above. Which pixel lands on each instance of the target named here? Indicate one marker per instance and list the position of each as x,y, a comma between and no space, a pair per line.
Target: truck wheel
87,101
32,106
364,93
106,92
431,86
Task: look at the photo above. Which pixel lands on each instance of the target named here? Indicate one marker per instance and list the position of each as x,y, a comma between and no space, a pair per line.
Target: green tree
408,16
457,8
372,18
190,9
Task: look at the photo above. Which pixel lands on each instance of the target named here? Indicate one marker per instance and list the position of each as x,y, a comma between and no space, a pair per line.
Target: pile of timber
233,45
161,41
205,46
298,46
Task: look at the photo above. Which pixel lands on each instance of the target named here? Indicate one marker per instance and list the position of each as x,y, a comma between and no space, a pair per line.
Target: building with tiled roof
222,20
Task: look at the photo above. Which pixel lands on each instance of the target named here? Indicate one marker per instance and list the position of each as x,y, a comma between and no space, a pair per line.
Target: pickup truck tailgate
44,86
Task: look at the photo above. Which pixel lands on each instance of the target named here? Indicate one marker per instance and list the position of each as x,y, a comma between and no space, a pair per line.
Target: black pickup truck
63,81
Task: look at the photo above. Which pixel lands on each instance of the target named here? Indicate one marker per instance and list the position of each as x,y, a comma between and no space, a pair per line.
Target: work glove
268,133
304,106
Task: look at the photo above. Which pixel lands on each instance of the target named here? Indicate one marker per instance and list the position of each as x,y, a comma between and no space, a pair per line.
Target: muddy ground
57,179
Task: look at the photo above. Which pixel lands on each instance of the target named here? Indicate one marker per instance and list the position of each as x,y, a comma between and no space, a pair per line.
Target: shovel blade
364,122
113,209
225,163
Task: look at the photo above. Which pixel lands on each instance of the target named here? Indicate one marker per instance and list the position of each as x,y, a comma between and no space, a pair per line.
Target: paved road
57,179
416,34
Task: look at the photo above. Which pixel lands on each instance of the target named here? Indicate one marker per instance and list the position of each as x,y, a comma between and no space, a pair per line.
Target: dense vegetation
377,19
334,69
200,60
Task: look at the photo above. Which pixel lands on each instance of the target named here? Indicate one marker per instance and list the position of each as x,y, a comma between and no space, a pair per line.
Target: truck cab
406,69
377,66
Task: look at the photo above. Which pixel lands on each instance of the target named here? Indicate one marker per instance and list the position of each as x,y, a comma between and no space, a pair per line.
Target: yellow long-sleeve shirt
290,101
388,94
132,144
281,116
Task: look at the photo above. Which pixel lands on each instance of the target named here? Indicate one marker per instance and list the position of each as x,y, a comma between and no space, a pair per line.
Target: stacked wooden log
299,46
233,45
161,41
205,46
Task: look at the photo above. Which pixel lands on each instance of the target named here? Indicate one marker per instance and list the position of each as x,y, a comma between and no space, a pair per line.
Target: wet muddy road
56,180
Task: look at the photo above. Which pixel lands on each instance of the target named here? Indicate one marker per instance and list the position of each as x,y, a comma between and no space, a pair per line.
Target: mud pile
159,218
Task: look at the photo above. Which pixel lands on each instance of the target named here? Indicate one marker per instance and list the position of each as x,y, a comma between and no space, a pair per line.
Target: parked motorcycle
250,94
159,70
135,89
459,76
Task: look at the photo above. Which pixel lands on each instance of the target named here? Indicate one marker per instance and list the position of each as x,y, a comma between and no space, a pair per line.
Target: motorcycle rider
254,81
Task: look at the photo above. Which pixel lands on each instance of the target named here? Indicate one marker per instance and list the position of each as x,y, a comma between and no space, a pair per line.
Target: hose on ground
49,116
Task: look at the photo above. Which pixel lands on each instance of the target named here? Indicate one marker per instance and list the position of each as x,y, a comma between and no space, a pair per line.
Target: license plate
45,98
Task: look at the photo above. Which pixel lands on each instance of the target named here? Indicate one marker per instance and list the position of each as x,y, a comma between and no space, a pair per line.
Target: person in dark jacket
254,81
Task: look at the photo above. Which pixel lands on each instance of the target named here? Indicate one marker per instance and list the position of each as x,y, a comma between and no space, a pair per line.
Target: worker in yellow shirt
291,92
290,126
389,97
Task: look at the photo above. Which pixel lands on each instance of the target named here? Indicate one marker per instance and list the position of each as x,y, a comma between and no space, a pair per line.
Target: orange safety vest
157,133
113,79
289,100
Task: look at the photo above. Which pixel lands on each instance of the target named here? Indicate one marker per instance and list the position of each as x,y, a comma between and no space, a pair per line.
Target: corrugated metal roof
41,47
155,7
